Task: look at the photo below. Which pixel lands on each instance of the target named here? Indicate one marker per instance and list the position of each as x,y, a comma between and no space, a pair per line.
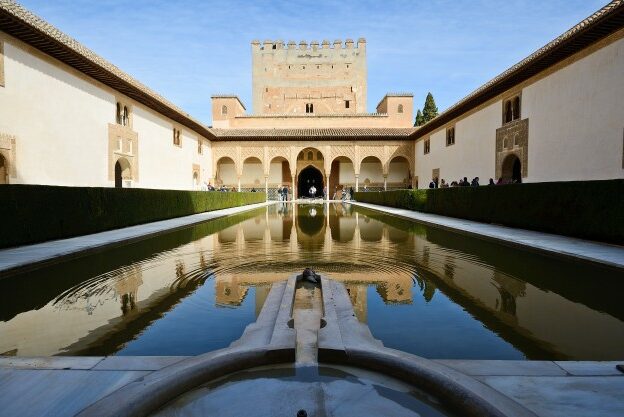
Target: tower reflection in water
420,289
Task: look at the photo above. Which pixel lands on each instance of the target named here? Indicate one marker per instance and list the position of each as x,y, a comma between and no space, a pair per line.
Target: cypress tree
419,119
430,110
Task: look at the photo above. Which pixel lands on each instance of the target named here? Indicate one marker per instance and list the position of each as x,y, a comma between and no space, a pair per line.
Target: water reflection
420,289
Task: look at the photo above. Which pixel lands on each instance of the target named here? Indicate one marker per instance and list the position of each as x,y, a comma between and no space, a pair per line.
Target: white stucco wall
576,119
576,127
60,119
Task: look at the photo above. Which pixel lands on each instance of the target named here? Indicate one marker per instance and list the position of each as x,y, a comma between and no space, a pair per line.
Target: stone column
266,186
357,183
385,182
239,184
294,189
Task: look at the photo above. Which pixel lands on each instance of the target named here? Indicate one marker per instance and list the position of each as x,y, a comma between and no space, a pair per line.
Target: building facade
68,117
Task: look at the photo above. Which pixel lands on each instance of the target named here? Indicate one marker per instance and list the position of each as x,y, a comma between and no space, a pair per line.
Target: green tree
419,119
430,111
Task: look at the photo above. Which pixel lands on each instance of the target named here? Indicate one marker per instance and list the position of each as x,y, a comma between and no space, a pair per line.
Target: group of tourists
282,193
465,183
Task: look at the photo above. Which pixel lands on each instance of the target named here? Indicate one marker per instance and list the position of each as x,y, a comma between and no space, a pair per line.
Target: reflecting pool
420,289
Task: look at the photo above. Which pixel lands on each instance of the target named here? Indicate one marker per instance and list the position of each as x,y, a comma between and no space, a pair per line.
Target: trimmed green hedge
36,213
585,209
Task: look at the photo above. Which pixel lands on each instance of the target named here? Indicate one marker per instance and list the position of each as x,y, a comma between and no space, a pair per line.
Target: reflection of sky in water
420,289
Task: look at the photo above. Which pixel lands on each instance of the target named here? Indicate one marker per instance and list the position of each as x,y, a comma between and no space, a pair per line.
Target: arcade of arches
267,166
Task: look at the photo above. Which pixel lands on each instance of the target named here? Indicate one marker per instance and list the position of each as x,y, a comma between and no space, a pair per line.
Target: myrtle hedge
585,209
36,213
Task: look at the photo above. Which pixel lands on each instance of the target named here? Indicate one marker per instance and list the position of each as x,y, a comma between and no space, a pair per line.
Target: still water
420,289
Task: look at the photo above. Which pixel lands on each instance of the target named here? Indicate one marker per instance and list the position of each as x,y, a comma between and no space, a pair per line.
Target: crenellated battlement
279,45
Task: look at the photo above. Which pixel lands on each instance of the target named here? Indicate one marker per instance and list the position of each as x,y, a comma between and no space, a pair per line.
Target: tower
309,79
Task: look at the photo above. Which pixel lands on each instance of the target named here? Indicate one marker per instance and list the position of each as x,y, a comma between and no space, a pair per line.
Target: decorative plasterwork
123,142
513,138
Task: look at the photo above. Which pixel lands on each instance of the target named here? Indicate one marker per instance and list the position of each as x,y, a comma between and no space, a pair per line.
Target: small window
118,114
274,46
309,108
400,108
266,90
126,116
199,146
450,136
303,67
318,67
347,104
347,66
289,67
224,110
516,108
427,147
176,137
511,109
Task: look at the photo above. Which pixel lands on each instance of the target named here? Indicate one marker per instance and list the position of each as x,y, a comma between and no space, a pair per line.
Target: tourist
474,182
365,188
464,182
500,181
454,184
325,193
253,190
443,184
491,182
432,184
312,192
233,189
351,193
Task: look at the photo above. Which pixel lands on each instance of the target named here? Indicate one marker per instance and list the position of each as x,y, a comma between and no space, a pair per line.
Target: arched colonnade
266,167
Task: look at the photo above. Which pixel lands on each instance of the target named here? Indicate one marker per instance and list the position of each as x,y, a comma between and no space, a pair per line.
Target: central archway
308,177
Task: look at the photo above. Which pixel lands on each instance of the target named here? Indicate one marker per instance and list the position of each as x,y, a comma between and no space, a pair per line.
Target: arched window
319,155
224,110
126,116
400,108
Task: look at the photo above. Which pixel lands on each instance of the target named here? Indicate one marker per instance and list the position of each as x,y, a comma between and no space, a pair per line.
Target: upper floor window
122,115
511,109
400,108
224,110
309,107
427,146
347,104
450,136
200,149
176,137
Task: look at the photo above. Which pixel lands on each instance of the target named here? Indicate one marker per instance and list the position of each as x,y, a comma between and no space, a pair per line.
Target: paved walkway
29,257
556,245
48,385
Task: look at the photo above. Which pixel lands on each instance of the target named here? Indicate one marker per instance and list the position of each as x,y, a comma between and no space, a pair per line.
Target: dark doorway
118,183
512,169
308,178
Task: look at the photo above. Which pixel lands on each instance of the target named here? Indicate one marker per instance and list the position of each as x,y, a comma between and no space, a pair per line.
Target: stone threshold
30,257
603,254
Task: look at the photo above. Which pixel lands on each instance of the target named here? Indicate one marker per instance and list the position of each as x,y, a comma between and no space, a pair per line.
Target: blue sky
190,49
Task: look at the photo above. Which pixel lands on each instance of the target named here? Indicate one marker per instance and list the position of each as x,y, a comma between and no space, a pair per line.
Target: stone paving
546,243
24,258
